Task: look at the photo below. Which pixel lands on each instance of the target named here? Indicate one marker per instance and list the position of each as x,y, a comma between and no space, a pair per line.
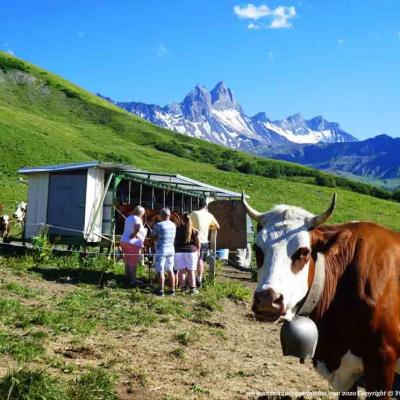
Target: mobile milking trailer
84,203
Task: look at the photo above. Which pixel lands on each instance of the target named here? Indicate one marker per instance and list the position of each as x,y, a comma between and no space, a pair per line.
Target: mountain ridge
375,157
217,116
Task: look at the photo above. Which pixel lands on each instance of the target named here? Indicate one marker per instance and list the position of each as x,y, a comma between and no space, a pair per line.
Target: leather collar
307,305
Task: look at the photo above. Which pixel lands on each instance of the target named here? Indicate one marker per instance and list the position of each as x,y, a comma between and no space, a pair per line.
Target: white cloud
340,41
270,55
280,16
250,11
253,27
9,51
81,34
162,50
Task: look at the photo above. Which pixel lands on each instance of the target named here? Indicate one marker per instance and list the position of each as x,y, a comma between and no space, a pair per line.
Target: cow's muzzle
268,305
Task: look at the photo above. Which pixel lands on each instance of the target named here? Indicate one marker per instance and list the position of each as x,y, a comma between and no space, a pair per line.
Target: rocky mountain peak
222,97
197,103
216,116
260,117
320,123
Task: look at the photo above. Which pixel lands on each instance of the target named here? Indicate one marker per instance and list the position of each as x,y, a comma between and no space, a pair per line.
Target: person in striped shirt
164,235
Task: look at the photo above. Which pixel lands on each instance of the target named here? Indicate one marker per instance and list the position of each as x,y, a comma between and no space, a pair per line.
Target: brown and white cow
358,313
4,226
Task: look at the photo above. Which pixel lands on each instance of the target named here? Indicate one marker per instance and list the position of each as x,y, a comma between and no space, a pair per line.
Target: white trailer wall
36,214
94,210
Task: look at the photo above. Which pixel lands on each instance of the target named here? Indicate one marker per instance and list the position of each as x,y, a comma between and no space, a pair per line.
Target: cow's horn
256,215
322,218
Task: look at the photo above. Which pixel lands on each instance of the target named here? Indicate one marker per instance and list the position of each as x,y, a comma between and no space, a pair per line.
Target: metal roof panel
179,181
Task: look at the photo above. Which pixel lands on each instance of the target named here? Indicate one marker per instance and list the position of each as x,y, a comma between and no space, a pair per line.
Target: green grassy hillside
45,119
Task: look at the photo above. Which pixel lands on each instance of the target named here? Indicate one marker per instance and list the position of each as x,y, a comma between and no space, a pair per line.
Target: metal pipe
173,201
152,197
164,198
129,191
140,194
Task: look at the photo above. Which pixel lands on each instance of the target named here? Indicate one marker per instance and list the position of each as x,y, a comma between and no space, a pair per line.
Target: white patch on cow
285,230
20,211
351,369
6,220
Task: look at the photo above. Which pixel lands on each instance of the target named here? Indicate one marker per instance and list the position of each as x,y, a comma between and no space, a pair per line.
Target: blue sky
338,58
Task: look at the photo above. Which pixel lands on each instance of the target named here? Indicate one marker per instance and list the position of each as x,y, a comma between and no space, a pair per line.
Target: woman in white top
132,241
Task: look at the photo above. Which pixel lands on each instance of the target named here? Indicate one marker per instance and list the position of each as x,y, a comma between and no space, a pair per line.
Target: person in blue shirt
164,235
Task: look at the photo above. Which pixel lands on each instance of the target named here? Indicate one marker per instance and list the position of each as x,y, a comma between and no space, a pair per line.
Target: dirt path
227,355
239,360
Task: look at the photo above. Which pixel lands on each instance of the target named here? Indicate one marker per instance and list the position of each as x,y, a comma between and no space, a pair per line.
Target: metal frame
175,182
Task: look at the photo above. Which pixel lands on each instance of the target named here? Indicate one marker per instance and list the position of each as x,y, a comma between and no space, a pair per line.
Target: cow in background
358,312
20,212
4,226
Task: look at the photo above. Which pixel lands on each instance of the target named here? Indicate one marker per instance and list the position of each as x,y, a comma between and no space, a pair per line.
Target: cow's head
4,221
285,241
20,211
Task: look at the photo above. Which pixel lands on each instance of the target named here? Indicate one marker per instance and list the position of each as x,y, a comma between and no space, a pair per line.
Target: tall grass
29,384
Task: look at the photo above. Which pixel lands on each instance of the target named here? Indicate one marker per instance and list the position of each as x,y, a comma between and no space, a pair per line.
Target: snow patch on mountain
216,116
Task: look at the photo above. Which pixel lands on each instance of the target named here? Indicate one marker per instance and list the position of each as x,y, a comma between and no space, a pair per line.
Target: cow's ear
329,241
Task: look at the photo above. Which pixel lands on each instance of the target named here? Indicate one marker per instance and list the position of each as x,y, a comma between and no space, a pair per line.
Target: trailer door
231,215
66,203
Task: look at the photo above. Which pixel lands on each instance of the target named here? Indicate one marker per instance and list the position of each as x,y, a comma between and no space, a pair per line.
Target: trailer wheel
241,258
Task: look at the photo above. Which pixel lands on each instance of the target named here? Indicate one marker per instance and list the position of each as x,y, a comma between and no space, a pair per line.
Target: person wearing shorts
203,221
164,235
187,246
131,243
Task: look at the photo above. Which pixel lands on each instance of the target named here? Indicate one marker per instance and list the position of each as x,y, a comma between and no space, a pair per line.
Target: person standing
164,235
187,248
203,221
131,242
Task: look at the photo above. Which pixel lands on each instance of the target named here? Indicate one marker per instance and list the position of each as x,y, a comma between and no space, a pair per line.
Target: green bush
325,180
247,168
41,247
226,166
396,195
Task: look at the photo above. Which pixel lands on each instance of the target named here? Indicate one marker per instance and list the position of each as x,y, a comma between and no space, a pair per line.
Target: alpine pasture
64,336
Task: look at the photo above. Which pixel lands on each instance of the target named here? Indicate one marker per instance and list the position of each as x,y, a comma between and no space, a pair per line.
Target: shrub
226,166
247,168
325,180
173,147
41,247
396,195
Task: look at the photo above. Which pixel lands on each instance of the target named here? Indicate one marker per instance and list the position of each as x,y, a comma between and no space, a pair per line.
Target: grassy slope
48,120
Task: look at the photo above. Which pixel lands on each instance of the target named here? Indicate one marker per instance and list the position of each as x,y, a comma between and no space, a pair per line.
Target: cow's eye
300,258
